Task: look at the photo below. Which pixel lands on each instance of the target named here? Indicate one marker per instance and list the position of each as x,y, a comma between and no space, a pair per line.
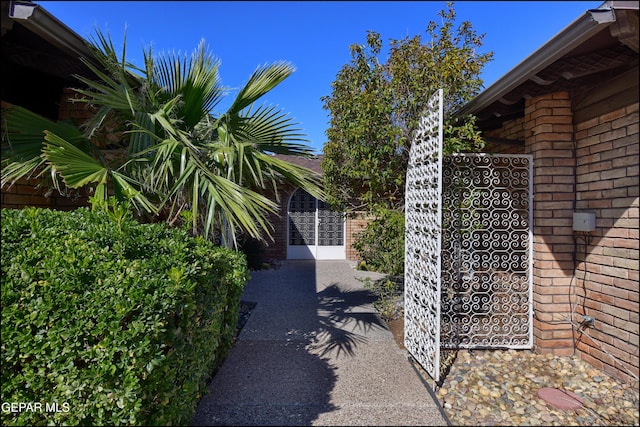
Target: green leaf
76,167
24,139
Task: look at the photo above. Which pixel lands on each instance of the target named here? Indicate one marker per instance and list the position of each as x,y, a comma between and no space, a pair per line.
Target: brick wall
549,138
277,248
79,112
607,261
111,131
355,224
591,166
511,130
28,192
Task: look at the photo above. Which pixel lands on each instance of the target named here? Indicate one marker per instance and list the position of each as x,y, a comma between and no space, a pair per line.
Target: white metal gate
423,197
468,253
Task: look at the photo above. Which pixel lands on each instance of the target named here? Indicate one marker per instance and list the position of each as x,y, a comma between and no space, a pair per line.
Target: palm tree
177,154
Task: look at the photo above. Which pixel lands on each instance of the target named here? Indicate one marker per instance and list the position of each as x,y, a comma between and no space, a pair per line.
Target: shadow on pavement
343,324
314,351
270,377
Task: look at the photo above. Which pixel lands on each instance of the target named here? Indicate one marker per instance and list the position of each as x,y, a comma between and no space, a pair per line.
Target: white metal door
314,231
487,252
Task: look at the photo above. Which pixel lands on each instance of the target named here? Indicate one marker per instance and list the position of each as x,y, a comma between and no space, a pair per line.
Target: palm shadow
345,316
282,368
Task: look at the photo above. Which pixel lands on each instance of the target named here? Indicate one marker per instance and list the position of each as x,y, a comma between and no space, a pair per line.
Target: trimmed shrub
115,322
381,242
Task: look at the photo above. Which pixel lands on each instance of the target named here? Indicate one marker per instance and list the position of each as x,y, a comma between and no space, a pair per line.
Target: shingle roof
313,163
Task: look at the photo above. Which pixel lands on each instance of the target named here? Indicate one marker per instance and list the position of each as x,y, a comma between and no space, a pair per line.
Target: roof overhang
597,42
40,57
34,39
40,22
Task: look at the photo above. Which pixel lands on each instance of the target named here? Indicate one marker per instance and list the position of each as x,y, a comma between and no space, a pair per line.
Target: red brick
555,344
616,114
597,363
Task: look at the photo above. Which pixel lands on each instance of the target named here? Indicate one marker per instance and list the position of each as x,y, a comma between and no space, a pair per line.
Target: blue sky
315,36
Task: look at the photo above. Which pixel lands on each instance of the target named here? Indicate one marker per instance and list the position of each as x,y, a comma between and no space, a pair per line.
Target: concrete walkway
315,352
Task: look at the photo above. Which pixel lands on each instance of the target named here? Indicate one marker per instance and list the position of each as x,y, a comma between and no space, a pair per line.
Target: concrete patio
315,352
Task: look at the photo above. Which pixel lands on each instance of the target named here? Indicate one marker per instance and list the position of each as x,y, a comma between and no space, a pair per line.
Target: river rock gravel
500,387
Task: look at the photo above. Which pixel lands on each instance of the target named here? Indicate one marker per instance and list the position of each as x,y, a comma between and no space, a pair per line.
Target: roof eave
36,19
576,33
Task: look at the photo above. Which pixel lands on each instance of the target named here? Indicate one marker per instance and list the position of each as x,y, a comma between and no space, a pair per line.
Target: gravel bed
499,387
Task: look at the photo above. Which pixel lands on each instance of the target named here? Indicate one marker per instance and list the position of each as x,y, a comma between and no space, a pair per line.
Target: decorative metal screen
330,226
486,252
422,241
302,219
468,249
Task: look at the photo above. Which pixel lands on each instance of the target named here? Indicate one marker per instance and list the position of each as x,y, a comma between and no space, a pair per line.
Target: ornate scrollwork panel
486,252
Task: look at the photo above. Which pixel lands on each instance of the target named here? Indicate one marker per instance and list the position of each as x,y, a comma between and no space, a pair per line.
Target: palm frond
76,167
279,170
142,136
179,156
14,171
195,79
273,131
240,207
126,188
263,80
24,139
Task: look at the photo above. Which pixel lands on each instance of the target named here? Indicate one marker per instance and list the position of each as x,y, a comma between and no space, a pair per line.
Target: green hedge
118,323
381,242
